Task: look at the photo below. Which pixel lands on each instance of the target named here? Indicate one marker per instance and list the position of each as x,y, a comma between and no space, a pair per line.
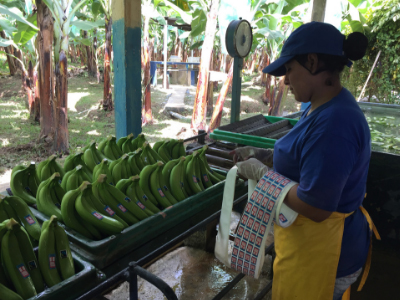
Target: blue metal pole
126,15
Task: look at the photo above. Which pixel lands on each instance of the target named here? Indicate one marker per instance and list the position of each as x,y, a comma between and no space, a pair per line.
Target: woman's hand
252,169
245,153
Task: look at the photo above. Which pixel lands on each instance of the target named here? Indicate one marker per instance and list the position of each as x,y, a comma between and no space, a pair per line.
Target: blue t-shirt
328,153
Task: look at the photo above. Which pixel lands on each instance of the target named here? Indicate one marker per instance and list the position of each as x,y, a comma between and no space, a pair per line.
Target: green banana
11,213
123,184
14,263
102,144
50,168
135,208
105,224
138,141
159,188
188,190
97,204
64,260
122,140
100,192
24,184
177,180
47,253
132,194
7,294
28,255
192,175
111,149
103,168
197,169
25,216
138,160
71,162
92,157
127,145
205,175
170,146
134,187
178,150
121,170
132,164
157,145
75,179
155,155
144,182
72,219
146,157
45,202
164,152
166,172
3,214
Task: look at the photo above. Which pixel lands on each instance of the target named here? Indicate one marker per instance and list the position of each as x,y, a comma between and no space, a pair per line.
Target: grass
19,135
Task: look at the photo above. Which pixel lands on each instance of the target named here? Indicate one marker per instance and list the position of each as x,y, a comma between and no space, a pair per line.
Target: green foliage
385,37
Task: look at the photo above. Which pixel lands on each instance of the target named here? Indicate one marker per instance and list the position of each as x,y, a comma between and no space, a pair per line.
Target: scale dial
239,38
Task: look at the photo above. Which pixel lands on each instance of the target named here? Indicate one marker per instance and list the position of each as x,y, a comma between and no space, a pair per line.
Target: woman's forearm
299,206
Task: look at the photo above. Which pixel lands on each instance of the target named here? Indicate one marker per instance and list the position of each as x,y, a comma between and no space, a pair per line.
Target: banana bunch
170,149
55,257
92,157
131,188
103,168
19,263
72,161
128,146
122,140
215,177
50,195
48,167
138,141
96,214
71,217
148,155
110,148
14,207
74,178
120,168
127,209
25,182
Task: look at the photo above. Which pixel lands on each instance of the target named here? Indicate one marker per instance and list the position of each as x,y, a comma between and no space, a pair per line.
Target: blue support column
126,18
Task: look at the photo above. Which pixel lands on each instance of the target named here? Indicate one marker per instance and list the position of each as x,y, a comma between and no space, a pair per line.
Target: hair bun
355,45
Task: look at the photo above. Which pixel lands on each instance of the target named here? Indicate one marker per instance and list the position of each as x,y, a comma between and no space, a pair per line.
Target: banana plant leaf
7,26
25,32
16,14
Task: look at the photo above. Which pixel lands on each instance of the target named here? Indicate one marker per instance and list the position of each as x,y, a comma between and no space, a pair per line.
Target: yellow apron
307,257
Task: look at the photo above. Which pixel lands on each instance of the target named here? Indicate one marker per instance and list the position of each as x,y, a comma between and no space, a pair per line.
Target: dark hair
354,48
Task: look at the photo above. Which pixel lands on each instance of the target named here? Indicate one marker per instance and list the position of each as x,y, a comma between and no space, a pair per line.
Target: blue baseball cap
313,37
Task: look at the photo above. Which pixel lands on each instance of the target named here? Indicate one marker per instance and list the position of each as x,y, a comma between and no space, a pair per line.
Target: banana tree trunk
10,60
253,62
219,105
200,103
264,64
279,95
107,92
95,67
45,43
83,55
28,85
37,96
73,53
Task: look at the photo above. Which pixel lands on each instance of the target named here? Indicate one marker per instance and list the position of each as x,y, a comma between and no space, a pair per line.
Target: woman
322,253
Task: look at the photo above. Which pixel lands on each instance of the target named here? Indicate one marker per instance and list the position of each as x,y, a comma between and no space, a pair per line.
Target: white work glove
252,169
244,153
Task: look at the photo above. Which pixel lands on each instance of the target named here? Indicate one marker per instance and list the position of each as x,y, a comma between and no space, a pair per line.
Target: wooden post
126,26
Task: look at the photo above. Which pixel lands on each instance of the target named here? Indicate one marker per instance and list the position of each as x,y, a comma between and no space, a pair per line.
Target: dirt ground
20,142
